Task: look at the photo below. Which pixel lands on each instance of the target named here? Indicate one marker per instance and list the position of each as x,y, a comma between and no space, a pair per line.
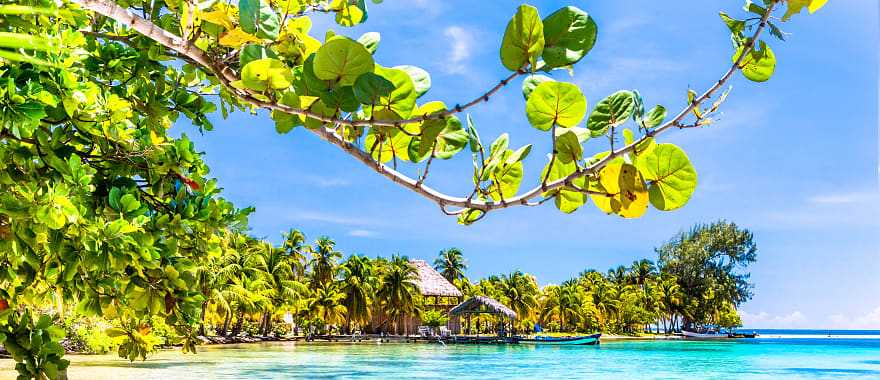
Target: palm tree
323,263
642,270
398,289
451,264
295,247
326,305
358,283
562,302
671,300
282,289
520,292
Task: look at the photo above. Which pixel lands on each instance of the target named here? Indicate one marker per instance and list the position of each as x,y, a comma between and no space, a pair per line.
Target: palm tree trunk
202,323
226,320
238,322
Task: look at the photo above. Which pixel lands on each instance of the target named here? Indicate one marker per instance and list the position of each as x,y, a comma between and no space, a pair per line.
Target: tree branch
226,75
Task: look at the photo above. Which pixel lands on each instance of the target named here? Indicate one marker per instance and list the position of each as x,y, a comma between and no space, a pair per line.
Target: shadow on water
877,362
834,371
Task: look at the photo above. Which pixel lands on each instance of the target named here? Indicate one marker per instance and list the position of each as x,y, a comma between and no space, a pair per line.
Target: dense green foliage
697,282
103,214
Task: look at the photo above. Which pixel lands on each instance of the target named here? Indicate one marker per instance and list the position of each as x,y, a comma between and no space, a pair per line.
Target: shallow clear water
759,358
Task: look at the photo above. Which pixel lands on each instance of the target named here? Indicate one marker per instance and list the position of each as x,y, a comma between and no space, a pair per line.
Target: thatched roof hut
432,283
482,305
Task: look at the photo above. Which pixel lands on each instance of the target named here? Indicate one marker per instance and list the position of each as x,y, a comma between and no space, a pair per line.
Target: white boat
705,335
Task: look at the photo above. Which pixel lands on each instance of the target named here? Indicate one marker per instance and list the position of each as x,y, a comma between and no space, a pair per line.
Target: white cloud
869,321
461,45
763,319
846,198
361,233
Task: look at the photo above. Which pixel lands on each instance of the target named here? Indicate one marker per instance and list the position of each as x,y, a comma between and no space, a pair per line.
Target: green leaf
557,103
258,18
348,12
402,100
531,82
370,40
342,59
672,177
568,148
567,199
759,64
569,34
736,26
253,52
129,203
473,137
655,117
285,122
266,73
612,111
506,178
519,154
115,332
470,216
447,135
421,79
369,88
386,144
523,39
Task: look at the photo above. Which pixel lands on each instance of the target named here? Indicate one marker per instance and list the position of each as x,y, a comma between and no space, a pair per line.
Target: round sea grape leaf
446,137
569,34
531,82
523,39
421,79
625,190
370,87
253,52
265,73
384,144
257,17
311,84
342,59
342,98
672,177
370,40
568,148
317,106
567,199
612,111
402,100
349,13
557,103
759,64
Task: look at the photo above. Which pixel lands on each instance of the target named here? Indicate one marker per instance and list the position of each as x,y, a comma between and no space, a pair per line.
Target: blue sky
794,159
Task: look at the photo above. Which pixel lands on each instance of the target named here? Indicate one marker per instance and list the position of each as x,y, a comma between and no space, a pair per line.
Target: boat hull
695,335
567,341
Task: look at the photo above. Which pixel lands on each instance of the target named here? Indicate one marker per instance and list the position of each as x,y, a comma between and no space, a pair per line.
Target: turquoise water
781,357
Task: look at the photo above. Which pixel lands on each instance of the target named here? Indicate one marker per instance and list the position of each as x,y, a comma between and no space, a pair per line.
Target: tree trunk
202,324
238,322
226,320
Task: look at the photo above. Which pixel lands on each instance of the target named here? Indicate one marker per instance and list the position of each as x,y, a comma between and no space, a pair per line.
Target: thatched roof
432,283
480,304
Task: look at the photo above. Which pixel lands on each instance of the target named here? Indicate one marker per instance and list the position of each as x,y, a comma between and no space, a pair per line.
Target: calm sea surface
778,354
